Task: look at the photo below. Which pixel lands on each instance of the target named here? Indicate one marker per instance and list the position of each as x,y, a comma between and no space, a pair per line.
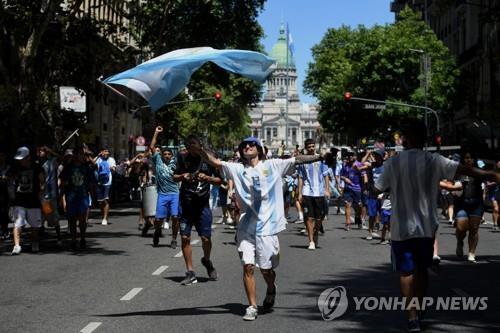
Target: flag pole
287,83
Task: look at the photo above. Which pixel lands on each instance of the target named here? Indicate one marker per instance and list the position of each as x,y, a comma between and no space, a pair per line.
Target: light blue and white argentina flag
160,79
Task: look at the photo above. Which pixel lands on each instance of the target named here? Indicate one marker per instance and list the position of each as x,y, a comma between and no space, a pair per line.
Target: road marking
90,327
160,270
193,242
131,294
460,292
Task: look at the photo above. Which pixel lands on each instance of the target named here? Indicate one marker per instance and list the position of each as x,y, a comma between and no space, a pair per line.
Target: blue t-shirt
165,183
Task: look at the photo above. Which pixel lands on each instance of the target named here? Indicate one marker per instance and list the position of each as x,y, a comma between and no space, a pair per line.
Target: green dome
279,49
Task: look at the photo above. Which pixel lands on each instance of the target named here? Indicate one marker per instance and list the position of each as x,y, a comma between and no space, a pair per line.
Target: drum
149,198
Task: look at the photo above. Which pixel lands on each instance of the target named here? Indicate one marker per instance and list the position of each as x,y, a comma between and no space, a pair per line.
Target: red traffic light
347,96
438,140
218,96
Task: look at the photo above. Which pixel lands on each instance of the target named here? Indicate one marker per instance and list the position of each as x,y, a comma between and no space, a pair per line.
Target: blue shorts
385,217
167,205
411,253
372,204
103,192
469,208
77,207
352,196
197,214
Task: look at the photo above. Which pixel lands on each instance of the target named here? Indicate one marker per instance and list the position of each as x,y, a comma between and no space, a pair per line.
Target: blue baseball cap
253,139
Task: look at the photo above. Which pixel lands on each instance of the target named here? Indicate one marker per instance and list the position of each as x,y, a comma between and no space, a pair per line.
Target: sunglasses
248,143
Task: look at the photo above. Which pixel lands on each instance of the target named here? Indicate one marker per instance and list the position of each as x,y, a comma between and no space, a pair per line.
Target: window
268,134
104,127
275,132
123,130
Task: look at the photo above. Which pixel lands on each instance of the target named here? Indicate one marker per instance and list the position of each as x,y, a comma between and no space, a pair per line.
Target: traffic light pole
425,108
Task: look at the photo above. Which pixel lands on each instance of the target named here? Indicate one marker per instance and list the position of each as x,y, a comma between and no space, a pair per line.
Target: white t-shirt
413,180
259,191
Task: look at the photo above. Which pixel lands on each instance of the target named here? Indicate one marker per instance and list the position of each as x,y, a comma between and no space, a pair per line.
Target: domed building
269,120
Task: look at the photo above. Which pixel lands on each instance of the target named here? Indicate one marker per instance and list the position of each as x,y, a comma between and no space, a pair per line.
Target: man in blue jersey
259,192
314,186
167,204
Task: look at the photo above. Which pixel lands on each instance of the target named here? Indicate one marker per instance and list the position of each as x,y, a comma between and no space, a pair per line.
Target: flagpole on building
287,83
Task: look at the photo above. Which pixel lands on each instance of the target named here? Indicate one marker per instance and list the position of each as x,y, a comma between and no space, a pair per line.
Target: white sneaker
251,313
16,250
375,235
311,246
35,247
219,221
166,226
303,231
229,220
369,237
104,222
364,227
472,258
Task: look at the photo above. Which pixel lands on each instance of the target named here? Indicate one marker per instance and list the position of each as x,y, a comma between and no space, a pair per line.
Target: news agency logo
333,303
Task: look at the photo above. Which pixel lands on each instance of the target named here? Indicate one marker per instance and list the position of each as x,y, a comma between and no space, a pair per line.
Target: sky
310,19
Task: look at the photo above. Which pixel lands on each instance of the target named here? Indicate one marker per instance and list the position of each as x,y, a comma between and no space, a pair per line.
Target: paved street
95,290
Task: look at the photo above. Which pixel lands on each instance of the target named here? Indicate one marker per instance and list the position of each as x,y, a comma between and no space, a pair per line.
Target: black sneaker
269,300
173,244
212,273
413,325
156,237
322,230
83,244
189,279
145,229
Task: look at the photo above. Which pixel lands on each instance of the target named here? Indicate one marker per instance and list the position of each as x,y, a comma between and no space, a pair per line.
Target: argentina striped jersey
259,191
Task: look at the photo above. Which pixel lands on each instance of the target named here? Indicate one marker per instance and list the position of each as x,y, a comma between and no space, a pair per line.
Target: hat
380,152
182,147
22,153
287,153
253,139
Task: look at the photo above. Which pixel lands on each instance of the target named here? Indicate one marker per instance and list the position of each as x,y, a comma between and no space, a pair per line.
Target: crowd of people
393,196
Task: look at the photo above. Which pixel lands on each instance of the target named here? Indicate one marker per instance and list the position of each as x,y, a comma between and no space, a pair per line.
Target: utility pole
286,90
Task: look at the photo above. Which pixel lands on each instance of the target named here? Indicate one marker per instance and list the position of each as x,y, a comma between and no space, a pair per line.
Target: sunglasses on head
249,143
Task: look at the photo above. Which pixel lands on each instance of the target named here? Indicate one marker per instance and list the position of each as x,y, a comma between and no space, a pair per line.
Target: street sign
140,141
72,99
140,148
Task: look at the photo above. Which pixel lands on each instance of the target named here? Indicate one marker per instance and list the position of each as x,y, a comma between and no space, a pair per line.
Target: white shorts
261,251
22,216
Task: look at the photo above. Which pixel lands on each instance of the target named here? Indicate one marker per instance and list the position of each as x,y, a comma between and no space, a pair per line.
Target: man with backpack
105,165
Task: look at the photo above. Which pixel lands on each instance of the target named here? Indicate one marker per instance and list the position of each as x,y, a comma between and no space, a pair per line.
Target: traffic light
217,96
437,140
347,96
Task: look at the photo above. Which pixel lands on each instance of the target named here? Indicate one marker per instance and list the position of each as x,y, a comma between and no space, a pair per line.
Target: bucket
149,198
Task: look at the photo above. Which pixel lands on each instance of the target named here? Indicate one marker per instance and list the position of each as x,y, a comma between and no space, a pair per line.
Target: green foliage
377,63
45,44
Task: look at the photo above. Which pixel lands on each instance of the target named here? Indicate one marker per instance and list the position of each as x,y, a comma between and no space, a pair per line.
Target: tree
378,63
45,44
220,24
